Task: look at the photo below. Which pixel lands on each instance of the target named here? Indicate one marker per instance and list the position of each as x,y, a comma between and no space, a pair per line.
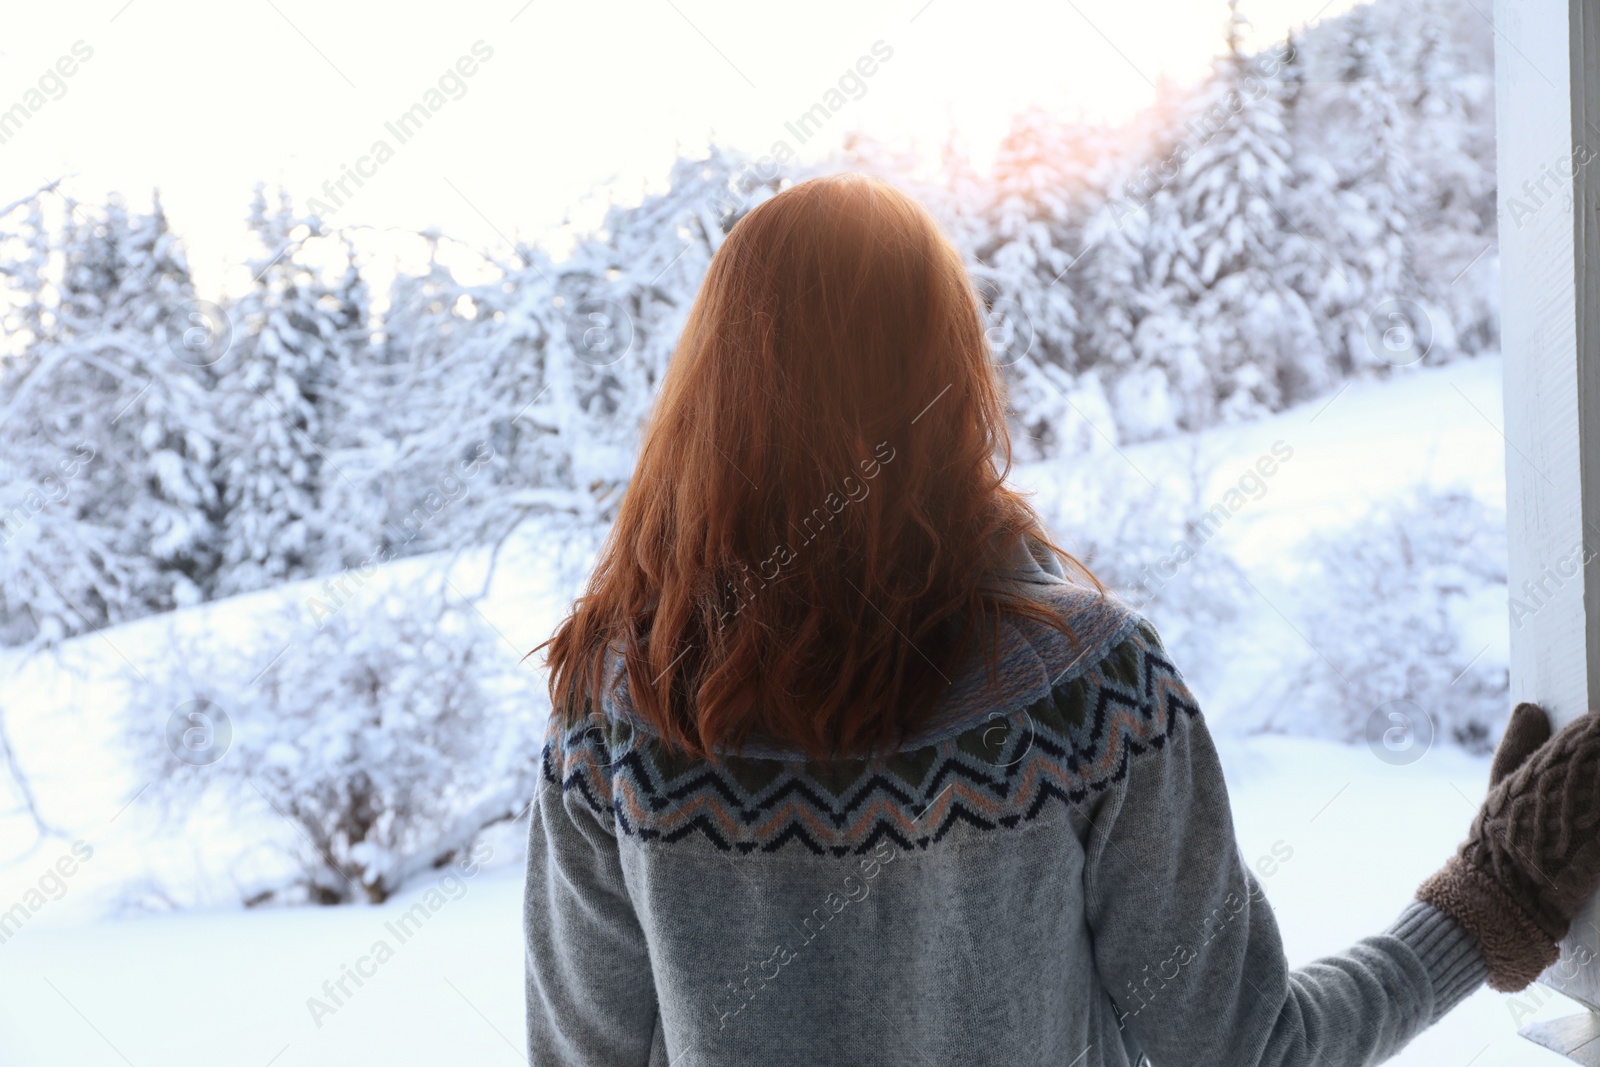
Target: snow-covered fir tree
98,379
1451,140
279,396
1375,168
1217,239
1041,167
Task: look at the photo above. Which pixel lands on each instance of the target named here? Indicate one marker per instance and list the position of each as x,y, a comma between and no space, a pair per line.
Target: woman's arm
1189,949
591,995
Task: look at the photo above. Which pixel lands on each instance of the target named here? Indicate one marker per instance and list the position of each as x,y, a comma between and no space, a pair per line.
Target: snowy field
147,957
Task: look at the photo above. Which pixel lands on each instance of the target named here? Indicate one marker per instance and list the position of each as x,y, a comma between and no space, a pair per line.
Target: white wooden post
1547,95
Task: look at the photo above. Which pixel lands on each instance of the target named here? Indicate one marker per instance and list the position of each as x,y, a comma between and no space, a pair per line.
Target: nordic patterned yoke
1047,874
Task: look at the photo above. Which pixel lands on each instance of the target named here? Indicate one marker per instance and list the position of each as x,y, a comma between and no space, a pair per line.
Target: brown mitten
1533,855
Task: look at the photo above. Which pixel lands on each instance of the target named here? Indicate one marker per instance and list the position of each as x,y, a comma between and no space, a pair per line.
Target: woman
850,764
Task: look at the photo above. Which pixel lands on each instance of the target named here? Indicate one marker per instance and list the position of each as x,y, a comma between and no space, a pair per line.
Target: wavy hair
819,493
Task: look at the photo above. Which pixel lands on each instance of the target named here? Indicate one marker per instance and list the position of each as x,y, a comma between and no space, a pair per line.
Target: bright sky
202,99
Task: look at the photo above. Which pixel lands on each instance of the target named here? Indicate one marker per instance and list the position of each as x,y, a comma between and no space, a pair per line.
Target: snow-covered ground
109,971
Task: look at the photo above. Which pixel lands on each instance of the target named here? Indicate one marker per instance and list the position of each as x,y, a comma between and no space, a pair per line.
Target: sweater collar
1029,562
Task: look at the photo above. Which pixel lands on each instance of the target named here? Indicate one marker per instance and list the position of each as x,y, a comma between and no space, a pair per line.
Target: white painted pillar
1547,90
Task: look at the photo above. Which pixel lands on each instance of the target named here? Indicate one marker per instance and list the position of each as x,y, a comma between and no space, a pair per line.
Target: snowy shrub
387,738
1396,605
1148,545
1143,403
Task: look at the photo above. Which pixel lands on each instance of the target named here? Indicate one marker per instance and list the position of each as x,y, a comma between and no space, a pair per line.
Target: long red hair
819,492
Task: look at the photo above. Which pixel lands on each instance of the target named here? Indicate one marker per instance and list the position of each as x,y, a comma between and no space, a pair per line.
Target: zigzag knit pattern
993,772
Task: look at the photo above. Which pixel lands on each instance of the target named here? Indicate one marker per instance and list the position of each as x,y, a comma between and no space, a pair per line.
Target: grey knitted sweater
1047,875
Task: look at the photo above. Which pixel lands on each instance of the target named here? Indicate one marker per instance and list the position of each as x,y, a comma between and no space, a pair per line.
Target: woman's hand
1532,857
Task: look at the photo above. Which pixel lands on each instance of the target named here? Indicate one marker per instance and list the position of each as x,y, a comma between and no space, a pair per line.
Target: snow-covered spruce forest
1319,215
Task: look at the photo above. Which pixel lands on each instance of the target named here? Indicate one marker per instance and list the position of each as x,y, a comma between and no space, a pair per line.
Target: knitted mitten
1533,855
